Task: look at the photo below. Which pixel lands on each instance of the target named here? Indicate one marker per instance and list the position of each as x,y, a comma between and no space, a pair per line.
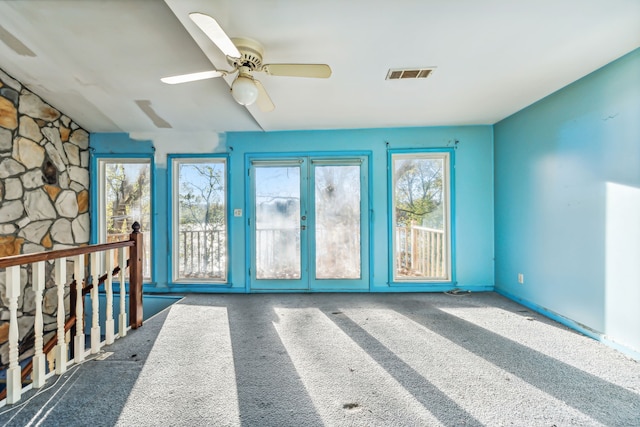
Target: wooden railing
420,252
202,254
123,237
75,321
277,252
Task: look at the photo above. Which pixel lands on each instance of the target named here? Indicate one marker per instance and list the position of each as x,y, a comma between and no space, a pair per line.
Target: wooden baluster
95,303
108,288
397,250
436,254
122,318
39,371
431,244
425,252
192,247
437,236
406,259
440,254
14,382
443,251
414,252
420,249
186,254
60,275
424,244
428,272
199,255
218,250
78,274
438,251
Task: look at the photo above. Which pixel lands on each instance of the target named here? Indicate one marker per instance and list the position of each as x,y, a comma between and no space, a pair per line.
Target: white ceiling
95,58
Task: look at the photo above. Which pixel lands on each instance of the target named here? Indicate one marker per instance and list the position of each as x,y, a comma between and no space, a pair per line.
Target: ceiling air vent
409,73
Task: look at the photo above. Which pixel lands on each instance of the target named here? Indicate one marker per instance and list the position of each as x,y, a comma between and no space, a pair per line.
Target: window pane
337,206
277,222
421,217
201,220
127,199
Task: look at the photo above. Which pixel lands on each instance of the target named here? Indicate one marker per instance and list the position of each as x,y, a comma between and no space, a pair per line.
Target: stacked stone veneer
44,197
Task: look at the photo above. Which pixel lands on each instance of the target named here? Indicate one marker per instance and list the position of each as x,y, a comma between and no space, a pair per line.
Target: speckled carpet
343,360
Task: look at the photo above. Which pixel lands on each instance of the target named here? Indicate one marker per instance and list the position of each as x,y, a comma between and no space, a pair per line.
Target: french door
309,224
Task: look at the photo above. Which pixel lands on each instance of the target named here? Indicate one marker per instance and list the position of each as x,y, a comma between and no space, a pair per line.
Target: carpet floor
343,360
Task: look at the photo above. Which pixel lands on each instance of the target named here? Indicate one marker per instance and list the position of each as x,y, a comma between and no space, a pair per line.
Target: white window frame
102,203
447,188
175,162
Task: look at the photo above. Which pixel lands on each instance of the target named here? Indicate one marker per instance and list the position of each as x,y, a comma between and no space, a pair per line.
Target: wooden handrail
14,260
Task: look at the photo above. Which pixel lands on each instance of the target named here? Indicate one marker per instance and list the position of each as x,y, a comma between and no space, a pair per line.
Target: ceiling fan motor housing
251,52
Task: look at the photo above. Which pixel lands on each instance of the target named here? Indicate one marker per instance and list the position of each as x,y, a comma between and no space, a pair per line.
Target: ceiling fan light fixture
244,90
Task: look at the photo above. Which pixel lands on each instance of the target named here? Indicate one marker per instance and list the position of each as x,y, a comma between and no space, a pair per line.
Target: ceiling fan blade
212,29
184,78
322,71
263,102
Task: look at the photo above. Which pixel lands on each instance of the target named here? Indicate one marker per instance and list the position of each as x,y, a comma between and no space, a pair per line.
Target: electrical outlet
521,278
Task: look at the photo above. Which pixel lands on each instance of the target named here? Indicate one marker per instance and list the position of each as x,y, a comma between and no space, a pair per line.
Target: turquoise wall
567,204
473,180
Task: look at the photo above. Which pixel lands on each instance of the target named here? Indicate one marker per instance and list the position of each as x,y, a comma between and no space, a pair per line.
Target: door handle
303,227
303,217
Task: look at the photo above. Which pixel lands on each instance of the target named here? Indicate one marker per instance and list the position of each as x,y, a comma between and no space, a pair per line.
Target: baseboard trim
576,326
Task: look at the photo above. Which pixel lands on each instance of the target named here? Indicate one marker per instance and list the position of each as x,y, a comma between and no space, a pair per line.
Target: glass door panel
337,222
278,240
278,223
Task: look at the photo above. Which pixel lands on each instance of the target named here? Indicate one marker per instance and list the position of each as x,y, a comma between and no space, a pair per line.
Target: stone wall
44,195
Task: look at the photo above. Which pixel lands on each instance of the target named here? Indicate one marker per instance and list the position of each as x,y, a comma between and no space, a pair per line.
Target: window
421,231
199,219
124,198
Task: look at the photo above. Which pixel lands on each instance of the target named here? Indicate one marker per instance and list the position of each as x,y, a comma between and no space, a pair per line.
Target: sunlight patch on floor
450,368
524,327
535,332
189,374
346,385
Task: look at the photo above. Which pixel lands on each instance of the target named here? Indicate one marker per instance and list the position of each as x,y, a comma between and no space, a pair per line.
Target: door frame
300,284
328,285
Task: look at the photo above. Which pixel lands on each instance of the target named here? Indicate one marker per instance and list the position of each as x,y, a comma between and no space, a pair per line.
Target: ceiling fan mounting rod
251,53
244,71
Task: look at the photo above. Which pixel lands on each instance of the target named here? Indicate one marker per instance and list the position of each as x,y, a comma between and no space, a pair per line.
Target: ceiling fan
245,57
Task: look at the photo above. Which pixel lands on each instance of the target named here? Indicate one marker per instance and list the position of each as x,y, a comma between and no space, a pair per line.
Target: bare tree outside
418,192
127,200
419,217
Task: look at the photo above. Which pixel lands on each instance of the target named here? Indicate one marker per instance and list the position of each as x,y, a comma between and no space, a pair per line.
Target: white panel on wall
622,293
